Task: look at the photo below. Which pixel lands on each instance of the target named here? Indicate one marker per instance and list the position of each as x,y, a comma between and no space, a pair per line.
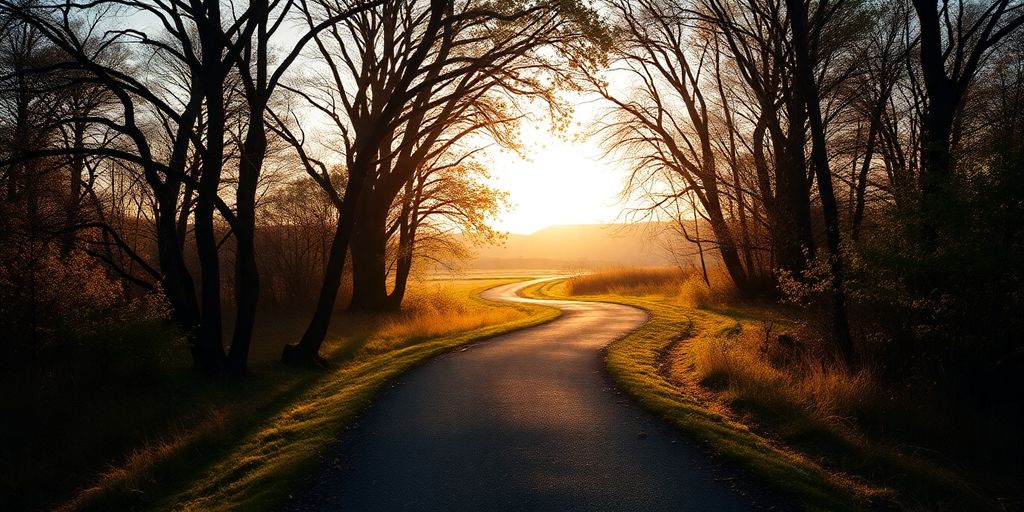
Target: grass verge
246,445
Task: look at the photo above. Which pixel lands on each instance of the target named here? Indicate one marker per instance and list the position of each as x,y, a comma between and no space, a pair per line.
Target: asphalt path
525,421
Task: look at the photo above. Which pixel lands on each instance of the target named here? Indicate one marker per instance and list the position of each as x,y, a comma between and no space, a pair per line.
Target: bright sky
559,181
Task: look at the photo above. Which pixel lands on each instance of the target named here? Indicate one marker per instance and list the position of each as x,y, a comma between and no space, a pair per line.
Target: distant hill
579,246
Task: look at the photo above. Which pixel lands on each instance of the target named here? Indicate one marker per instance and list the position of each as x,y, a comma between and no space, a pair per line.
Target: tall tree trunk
403,268
307,350
807,91
408,222
791,220
937,124
247,277
254,149
175,280
730,255
369,255
211,327
865,168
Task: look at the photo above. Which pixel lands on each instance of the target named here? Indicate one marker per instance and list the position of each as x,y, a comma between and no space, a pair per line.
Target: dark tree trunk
175,279
807,92
726,244
402,269
407,223
307,351
247,277
865,168
210,334
937,123
792,234
254,149
369,251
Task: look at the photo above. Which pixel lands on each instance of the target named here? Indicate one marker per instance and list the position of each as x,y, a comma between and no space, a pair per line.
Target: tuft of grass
246,445
744,380
718,292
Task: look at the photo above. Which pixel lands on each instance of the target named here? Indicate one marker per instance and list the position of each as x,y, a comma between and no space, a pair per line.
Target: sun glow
561,179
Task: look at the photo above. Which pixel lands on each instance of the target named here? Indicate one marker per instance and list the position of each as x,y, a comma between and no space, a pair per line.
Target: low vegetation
745,378
632,280
138,435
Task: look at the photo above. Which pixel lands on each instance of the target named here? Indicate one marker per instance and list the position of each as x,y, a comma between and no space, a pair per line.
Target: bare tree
955,40
666,125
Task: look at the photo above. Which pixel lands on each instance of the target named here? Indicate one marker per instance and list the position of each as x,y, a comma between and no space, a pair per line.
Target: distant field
572,248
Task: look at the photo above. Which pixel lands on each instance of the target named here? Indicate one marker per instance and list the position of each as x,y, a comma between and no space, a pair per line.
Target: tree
201,52
665,126
397,101
805,37
443,199
955,40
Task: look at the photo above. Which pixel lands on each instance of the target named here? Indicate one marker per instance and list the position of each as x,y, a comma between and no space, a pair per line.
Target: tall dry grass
433,310
785,374
686,285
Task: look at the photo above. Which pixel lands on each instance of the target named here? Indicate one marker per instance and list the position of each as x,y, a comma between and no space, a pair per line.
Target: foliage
50,298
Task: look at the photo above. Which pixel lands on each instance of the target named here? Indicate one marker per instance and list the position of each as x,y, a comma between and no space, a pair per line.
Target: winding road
525,421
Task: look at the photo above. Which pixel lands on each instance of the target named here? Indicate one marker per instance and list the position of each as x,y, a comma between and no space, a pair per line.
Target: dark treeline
209,155
863,157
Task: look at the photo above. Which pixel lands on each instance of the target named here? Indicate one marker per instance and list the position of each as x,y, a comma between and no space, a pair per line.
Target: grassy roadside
251,454
638,364
833,439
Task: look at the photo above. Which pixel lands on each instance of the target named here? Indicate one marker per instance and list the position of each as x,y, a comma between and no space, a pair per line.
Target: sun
559,181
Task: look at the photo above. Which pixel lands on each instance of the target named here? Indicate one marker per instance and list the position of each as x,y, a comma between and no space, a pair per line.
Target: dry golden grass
737,362
640,280
435,309
687,285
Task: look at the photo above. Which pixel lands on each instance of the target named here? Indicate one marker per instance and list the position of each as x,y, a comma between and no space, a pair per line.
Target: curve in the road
524,421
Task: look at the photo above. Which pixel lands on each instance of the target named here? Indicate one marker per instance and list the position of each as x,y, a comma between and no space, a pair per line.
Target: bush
49,299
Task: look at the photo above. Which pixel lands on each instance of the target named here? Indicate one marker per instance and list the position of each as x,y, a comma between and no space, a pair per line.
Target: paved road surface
526,421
